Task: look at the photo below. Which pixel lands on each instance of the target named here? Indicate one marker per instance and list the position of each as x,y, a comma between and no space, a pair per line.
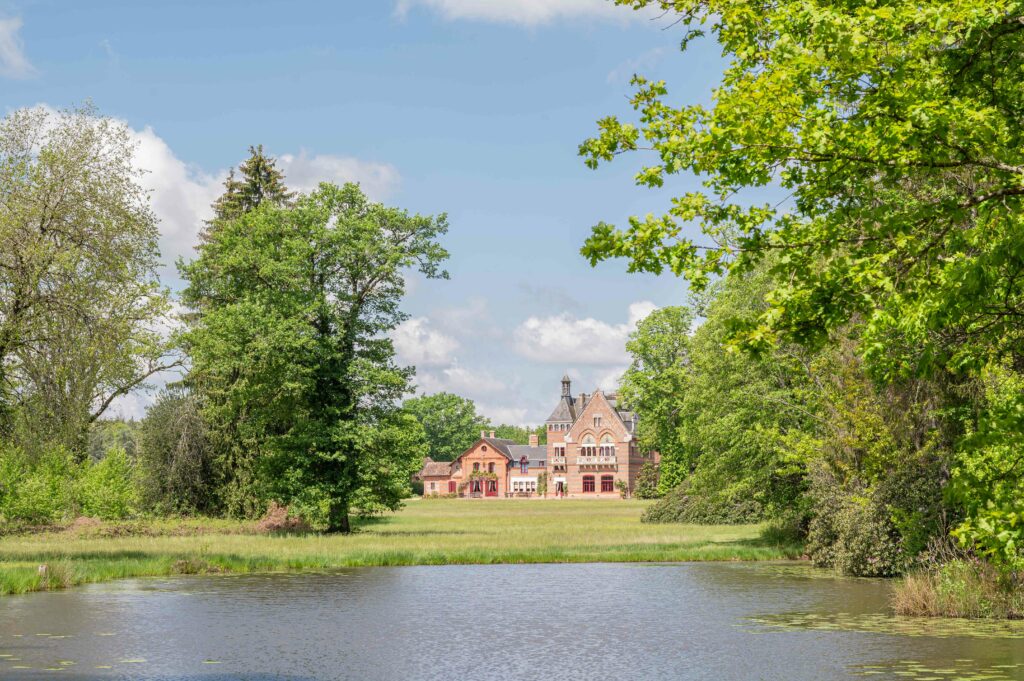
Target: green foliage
289,346
261,182
80,303
53,486
851,531
647,482
450,422
177,470
107,488
107,434
988,478
683,504
894,131
519,434
723,421
391,453
36,490
893,263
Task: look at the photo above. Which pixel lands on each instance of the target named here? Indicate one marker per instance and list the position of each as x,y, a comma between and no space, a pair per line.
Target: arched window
588,483
607,447
607,483
476,466
588,448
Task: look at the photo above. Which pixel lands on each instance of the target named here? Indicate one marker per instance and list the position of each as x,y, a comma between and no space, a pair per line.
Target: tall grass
426,532
960,588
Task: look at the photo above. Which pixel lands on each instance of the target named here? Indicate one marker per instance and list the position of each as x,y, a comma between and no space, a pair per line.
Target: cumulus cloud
518,12
418,344
13,62
565,339
181,194
305,172
513,416
461,381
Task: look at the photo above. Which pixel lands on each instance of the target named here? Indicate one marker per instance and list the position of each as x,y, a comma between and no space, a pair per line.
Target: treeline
286,388
860,365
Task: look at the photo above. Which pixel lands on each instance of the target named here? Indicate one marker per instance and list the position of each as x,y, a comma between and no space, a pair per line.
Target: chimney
492,433
483,434
534,440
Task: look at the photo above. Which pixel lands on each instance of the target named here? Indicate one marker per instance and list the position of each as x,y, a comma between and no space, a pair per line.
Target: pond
718,621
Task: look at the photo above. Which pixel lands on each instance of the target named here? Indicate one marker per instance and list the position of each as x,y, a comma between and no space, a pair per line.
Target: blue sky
470,107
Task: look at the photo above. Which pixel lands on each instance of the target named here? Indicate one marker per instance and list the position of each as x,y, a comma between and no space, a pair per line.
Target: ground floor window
476,486
607,483
433,487
588,483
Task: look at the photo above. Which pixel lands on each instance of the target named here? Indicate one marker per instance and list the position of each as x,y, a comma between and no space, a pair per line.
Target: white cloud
519,12
563,339
304,172
461,381
648,60
418,344
181,195
513,416
13,62
609,380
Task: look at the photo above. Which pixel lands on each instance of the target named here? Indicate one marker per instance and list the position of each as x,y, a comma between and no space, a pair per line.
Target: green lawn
426,532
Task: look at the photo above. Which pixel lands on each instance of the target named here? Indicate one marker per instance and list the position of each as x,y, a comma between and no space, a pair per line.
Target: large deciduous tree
81,309
894,131
292,348
891,133
450,422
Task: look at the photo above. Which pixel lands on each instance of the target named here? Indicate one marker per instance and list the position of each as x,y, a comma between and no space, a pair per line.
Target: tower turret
566,386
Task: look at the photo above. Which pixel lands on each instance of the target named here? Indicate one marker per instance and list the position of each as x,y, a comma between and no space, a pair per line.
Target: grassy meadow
425,532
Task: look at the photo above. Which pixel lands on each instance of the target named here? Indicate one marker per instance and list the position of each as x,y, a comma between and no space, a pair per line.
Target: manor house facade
591,451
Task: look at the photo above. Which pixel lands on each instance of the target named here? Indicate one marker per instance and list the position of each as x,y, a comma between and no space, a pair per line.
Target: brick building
590,448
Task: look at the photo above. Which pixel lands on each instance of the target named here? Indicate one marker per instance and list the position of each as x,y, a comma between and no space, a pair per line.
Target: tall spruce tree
260,181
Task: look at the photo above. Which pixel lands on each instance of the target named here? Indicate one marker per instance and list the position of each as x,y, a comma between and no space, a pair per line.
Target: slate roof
501,445
568,409
535,455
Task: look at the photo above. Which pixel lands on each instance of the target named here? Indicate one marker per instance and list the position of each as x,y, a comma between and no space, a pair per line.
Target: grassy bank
961,588
426,532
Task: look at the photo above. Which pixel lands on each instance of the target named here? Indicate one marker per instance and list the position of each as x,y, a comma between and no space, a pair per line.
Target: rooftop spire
566,386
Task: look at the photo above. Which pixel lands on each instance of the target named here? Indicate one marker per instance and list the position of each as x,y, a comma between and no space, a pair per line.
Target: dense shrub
107,489
851,530
685,505
646,486
52,486
36,490
175,458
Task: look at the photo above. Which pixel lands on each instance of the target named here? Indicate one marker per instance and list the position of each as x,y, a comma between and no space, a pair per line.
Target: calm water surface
596,621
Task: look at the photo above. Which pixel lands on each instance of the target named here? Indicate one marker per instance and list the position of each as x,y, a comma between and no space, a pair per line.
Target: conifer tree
260,180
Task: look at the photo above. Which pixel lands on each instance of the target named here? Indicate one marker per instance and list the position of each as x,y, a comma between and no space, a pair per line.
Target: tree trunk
338,521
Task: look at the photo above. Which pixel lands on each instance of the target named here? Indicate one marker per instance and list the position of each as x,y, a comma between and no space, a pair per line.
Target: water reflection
686,621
